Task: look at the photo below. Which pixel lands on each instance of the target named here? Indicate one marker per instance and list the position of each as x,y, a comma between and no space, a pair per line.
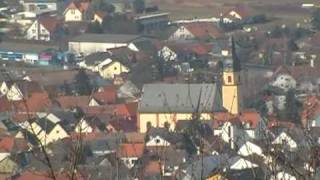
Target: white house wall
91,47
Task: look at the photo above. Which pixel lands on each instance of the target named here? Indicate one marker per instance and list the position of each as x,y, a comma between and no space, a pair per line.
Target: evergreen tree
316,19
94,27
139,6
292,107
82,81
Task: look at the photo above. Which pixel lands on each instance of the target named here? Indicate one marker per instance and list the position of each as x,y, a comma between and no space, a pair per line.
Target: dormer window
229,79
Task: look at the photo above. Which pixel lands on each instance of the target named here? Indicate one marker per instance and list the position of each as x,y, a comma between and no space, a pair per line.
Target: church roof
180,98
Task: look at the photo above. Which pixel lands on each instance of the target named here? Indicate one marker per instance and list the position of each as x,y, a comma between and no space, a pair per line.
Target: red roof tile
202,30
49,22
35,103
122,125
130,150
43,175
250,117
127,110
67,102
107,96
5,105
6,144
82,6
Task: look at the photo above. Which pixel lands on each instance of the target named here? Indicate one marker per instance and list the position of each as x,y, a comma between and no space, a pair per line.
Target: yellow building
231,94
109,71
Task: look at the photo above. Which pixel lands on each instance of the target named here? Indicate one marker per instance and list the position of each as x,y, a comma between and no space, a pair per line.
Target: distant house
287,141
239,163
160,137
239,12
39,6
89,125
110,70
45,29
99,16
250,148
196,30
90,43
130,153
29,53
19,90
76,11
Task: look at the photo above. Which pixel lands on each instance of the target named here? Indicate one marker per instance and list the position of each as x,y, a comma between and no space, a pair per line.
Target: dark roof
46,125
105,38
165,134
25,47
180,98
97,57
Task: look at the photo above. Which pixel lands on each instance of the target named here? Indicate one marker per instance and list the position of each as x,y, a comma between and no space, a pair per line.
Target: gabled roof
35,103
49,22
130,150
46,125
95,58
81,6
67,102
107,96
203,30
180,98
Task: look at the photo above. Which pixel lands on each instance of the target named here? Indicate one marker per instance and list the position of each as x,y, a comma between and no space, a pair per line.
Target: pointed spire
236,65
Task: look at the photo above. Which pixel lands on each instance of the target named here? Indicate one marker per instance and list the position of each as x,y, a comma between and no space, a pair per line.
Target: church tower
231,94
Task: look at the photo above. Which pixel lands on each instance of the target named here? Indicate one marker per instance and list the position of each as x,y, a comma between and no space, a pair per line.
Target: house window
157,141
73,11
57,131
115,68
229,79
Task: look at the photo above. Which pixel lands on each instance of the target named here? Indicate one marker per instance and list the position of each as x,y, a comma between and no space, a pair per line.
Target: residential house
39,6
106,95
198,30
289,140
45,28
33,53
8,165
239,163
89,43
282,79
161,137
128,91
89,125
239,12
71,102
95,61
250,148
45,130
130,153
16,91
163,104
112,69
99,16
104,146
76,11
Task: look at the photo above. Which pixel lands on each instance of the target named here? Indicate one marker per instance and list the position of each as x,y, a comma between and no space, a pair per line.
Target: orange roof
6,143
251,117
82,6
107,96
43,175
131,150
202,29
37,102
127,110
49,22
67,102
4,104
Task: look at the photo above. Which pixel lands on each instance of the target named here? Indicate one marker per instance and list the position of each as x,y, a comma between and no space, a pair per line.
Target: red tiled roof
49,22
35,103
126,110
201,30
4,104
43,175
6,144
251,117
82,6
107,96
67,102
130,150
242,10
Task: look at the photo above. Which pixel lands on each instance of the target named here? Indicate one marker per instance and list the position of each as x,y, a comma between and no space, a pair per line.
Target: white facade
83,127
14,93
4,88
73,15
129,161
241,164
250,148
91,47
182,33
37,32
286,141
228,133
285,82
279,102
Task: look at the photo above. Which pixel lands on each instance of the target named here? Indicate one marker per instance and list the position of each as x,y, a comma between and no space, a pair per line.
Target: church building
163,105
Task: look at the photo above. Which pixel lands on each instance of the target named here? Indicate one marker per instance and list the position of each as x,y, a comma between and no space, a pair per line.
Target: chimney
312,62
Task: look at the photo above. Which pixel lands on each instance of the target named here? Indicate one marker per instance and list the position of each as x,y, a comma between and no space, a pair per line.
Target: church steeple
232,81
